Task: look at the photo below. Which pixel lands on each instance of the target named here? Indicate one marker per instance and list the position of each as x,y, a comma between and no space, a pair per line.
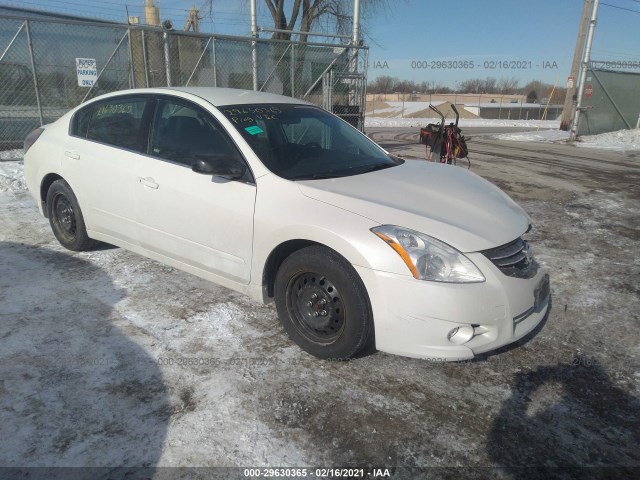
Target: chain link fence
611,101
39,81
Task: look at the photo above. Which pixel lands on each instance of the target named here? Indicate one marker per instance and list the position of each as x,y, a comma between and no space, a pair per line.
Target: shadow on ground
566,416
75,387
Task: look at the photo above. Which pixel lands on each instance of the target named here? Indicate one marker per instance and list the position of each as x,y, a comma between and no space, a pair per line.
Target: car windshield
302,142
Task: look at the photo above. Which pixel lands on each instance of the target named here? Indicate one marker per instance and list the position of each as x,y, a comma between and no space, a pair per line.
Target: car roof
214,95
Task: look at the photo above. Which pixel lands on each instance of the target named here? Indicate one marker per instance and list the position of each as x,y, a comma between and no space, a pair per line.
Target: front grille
513,259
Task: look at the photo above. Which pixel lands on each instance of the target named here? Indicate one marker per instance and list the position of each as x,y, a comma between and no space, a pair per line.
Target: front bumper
414,317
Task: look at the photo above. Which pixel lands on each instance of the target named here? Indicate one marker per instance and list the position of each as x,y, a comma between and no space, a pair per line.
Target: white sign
570,81
87,71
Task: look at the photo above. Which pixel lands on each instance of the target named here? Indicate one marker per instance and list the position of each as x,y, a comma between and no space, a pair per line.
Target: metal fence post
213,57
254,64
167,58
132,72
520,114
254,46
292,71
33,69
144,58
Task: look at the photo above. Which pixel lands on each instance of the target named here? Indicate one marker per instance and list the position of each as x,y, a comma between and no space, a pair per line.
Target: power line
610,53
621,8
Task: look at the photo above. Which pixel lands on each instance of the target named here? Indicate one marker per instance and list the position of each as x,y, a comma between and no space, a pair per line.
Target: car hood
449,203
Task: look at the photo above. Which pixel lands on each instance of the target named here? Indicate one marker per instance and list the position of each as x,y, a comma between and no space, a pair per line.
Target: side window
117,122
81,122
182,133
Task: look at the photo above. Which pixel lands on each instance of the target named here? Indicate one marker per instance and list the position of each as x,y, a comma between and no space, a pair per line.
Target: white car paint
224,230
452,203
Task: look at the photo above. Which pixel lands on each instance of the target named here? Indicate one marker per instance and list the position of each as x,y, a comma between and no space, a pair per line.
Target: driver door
203,221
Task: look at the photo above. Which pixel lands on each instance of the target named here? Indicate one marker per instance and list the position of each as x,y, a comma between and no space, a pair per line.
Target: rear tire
65,218
323,304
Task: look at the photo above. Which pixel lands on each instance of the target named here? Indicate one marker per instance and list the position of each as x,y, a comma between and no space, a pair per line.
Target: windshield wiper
372,168
347,173
318,176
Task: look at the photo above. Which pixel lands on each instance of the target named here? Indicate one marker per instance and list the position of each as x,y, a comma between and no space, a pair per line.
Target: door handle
72,155
148,182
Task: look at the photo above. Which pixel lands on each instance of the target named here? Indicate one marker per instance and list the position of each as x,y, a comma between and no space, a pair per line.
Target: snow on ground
11,154
404,108
464,122
12,176
621,140
108,358
537,136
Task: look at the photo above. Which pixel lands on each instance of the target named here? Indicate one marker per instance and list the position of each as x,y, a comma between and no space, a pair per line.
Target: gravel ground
97,353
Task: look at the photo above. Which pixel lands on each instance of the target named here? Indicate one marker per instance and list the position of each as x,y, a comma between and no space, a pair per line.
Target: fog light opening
461,335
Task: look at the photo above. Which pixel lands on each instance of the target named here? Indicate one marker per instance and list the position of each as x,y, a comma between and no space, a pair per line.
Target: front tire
65,217
323,304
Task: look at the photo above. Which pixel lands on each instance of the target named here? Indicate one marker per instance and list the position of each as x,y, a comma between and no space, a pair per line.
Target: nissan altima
276,198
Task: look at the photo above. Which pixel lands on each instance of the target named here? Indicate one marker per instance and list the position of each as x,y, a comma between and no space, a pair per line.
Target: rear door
106,140
199,220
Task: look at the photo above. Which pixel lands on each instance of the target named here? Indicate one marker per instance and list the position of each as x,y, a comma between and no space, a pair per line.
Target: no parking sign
87,71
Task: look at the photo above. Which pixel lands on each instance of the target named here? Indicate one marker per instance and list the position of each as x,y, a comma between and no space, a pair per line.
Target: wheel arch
47,180
287,247
275,259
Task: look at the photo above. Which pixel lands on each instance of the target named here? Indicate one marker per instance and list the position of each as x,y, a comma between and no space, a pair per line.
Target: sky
434,41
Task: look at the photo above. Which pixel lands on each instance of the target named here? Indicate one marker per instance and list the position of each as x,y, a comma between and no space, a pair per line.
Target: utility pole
570,101
356,22
193,20
583,71
355,43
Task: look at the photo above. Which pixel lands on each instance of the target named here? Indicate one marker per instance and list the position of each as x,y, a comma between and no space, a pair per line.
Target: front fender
283,213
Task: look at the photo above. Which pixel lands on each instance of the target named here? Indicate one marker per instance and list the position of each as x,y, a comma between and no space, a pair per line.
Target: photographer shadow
567,421
75,389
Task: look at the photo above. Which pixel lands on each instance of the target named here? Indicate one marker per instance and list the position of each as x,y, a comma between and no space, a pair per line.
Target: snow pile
622,140
464,122
11,154
537,136
12,177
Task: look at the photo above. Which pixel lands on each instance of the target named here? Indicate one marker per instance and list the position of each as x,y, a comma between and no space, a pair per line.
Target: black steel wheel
65,217
323,304
315,303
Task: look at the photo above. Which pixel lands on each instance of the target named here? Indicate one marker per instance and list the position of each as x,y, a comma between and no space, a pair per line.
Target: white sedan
281,200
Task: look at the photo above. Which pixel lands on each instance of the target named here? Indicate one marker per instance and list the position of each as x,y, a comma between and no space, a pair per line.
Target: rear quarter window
116,122
80,122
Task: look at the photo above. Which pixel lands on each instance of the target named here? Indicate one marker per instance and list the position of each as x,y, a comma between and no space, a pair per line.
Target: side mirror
219,166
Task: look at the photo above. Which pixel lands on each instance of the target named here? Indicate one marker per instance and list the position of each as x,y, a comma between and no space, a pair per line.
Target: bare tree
326,15
478,85
473,85
383,84
489,85
507,85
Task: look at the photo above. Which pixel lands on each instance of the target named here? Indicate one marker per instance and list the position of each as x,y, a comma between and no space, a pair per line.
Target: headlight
428,258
